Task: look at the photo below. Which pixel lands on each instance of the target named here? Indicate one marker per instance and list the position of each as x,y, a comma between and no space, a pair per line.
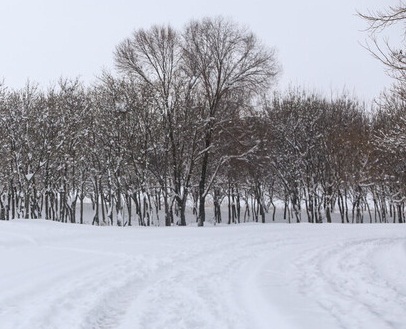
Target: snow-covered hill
278,276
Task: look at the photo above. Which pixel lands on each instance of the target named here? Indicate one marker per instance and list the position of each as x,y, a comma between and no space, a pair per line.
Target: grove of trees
189,118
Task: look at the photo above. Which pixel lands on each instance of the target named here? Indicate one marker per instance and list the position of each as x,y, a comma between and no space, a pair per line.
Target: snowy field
55,275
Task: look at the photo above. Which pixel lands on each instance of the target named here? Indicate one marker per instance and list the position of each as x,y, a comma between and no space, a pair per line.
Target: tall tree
227,59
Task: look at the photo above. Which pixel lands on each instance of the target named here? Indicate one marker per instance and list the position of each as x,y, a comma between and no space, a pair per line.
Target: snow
29,176
55,275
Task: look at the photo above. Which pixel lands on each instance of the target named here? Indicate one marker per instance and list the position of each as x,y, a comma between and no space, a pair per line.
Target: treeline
187,117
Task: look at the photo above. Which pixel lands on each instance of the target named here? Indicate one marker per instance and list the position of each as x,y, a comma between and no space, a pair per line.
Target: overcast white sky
317,40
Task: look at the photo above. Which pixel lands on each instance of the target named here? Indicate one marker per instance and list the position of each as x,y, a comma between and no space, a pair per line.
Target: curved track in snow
239,277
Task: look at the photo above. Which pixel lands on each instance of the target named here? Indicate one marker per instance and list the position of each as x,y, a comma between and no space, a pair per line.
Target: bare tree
154,57
392,56
226,59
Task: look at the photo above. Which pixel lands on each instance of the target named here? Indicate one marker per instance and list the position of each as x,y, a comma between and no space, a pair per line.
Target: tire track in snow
183,296
188,290
98,291
72,305
345,282
64,289
60,299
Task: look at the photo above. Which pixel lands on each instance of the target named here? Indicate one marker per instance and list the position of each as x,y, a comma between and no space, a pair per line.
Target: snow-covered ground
55,275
